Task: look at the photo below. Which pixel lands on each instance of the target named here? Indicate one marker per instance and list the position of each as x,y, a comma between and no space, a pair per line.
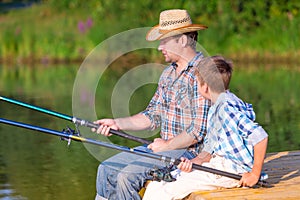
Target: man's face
170,48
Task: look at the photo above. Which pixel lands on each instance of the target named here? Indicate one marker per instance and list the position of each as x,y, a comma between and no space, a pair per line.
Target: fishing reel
69,131
162,174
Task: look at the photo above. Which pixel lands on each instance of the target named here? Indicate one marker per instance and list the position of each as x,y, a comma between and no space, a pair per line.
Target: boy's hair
216,72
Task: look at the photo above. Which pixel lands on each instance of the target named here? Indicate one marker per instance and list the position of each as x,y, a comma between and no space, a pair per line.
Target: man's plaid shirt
178,106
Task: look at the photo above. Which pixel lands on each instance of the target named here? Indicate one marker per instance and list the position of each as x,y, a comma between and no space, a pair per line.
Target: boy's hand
249,179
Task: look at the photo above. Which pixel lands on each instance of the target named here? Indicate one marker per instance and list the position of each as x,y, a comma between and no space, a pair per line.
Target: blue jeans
123,175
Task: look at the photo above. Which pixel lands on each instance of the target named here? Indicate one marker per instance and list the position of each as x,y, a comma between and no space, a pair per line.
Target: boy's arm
251,178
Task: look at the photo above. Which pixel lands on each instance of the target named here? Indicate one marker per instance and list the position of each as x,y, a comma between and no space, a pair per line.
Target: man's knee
124,177
98,197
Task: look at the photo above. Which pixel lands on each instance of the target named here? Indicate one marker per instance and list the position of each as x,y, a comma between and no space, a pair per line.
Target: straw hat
173,22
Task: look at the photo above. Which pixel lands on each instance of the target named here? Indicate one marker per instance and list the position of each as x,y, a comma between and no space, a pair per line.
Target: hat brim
154,33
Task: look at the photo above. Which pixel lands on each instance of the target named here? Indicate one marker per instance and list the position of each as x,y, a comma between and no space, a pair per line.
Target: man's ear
183,40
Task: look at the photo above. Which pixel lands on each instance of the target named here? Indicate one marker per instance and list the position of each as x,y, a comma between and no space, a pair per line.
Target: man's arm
181,141
134,123
251,178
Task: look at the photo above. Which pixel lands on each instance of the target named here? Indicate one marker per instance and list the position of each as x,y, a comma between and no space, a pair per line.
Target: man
234,141
176,107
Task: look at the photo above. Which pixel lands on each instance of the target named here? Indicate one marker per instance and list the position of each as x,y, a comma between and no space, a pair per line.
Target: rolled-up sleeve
152,111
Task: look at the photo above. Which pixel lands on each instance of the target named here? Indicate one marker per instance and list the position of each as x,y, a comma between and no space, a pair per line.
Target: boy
234,142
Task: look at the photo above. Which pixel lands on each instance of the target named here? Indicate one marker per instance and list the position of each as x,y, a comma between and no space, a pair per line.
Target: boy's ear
206,89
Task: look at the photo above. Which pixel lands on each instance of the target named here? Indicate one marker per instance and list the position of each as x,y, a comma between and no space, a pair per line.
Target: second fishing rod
73,119
71,135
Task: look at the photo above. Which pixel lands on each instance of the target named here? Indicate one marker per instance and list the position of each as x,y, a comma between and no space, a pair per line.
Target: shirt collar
191,63
196,59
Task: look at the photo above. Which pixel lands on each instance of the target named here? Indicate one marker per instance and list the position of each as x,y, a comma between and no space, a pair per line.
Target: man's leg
99,197
107,175
133,177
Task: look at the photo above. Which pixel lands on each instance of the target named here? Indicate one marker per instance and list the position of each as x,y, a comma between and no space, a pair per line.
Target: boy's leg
184,185
190,182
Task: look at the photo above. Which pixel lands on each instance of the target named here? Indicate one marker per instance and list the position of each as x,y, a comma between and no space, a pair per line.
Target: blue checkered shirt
232,132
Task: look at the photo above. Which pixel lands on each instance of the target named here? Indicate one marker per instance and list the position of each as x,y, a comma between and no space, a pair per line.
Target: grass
45,34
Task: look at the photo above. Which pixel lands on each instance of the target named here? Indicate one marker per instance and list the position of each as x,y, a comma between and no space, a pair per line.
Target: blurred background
42,46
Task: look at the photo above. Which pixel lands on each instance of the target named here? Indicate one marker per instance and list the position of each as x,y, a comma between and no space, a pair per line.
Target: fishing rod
69,135
75,120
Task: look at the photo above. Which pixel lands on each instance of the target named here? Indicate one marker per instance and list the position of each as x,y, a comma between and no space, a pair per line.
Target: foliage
58,30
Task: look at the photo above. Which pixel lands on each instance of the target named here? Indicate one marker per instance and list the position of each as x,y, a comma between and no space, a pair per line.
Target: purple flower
81,27
89,22
84,26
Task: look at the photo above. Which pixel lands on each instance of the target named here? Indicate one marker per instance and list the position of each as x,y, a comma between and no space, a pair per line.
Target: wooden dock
283,169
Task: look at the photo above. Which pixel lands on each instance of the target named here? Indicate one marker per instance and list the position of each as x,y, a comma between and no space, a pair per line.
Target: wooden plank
283,169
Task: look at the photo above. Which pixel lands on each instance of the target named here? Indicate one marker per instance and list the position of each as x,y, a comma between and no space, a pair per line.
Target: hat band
173,22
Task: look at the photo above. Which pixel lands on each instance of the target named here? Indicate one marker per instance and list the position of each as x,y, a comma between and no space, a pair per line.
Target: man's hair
192,38
216,72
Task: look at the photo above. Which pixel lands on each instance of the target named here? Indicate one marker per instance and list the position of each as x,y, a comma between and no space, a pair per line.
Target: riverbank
254,58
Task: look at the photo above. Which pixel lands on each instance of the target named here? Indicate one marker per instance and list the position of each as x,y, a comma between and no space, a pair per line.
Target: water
34,165
37,166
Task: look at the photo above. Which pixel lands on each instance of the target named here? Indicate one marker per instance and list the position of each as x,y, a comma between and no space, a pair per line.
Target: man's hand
158,145
105,126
